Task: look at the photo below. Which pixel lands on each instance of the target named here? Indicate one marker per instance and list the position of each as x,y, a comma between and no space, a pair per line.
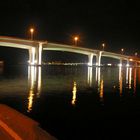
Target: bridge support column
90,59
136,64
35,55
98,59
127,65
120,63
89,79
40,54
32,56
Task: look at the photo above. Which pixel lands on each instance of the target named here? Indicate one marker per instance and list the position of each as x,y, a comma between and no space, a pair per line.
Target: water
76,102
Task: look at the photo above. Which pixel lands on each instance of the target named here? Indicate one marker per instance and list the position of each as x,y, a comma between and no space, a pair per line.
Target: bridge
36,47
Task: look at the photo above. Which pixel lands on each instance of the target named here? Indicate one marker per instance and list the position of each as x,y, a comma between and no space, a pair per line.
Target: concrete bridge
35,49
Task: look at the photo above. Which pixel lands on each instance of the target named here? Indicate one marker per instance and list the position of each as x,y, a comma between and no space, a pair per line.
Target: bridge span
36,47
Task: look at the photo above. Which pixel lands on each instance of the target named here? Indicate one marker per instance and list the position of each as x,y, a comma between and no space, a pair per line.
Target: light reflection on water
101,91
74,92
55,89
130,78
135,80
89,80
30,98
97,78
35,81
120,80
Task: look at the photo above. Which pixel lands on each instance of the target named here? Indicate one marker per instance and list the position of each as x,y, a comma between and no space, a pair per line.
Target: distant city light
120,65
109,64
136,53
127,65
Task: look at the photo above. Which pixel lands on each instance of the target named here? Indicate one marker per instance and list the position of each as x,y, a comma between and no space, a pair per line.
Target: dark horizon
115,23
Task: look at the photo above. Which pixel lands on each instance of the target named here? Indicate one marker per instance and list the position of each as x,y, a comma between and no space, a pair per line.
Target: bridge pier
89,78
98,59
127,65
35,55
39,54
120,62
136,64
32,56
90,59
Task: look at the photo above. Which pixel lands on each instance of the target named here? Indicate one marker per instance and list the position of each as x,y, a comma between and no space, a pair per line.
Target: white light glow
99,77
90,76
109,64
120,65
127,65
96,74
40,54
120,80
33,56
34,77
89,64
127,70
130,78
39,82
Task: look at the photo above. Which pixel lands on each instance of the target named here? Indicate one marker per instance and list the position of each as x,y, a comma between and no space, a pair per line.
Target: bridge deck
28,44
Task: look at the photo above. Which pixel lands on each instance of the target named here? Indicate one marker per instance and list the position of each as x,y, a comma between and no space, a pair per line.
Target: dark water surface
76,102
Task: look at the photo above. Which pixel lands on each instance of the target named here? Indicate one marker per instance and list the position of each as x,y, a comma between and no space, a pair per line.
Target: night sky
114,22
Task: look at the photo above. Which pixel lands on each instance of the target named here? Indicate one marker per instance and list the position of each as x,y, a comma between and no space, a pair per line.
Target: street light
103,45
136,53
122,50
75,40
32,32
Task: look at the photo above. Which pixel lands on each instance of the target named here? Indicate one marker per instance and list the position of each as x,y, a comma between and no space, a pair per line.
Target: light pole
103,45
122,50
32,33
136,54
75,40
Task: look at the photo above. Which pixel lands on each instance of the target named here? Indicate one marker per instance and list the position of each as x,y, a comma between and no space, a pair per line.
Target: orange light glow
31,30
74,93
76,38
135,80
30,100
102,90
103,44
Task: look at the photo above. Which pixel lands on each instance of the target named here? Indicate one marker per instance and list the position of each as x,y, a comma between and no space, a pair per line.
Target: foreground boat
16,126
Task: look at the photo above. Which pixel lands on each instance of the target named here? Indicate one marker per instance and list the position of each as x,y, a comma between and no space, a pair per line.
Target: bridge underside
35,49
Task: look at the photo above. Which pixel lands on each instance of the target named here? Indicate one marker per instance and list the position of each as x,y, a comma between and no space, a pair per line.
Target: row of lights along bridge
76,39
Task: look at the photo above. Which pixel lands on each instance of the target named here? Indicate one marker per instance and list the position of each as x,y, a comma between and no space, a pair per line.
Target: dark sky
115,22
